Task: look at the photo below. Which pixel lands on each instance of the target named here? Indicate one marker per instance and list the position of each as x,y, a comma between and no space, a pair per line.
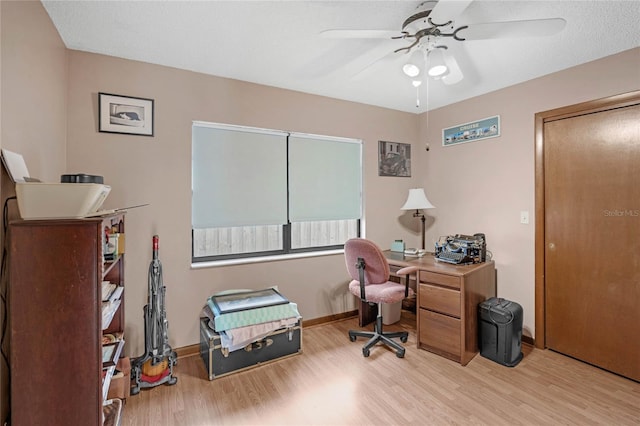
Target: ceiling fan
426,31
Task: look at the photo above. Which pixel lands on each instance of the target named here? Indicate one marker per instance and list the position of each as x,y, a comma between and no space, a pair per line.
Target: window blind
325,178
239,176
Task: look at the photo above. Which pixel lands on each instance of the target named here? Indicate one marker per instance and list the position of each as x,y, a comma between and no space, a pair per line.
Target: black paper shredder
500,329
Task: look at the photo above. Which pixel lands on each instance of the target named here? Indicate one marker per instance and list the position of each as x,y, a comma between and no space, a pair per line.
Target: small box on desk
219,362
397,246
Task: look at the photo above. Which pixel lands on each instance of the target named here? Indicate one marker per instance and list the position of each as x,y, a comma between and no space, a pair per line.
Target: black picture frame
394,159
125,114
234,302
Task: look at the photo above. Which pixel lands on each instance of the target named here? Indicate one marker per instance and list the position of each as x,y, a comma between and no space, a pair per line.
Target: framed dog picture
125,114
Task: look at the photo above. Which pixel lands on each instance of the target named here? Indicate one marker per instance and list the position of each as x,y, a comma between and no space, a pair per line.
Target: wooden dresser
447,303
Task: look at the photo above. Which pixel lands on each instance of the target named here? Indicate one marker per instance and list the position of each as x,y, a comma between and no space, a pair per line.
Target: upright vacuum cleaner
155,367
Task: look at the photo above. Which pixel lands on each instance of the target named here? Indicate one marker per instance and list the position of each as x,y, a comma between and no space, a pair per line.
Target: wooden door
592,238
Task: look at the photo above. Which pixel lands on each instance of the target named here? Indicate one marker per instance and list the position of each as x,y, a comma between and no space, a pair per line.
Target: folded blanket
238,338
237,319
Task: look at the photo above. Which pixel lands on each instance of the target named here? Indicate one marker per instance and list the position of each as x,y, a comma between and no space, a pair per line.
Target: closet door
592,238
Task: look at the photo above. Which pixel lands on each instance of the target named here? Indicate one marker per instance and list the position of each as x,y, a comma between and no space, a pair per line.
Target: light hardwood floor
331,383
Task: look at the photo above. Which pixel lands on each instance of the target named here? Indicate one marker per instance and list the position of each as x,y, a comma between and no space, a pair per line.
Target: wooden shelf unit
56,269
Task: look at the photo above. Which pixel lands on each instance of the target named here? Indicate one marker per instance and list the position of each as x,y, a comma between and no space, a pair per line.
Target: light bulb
437,67
437,70
411,70
413,66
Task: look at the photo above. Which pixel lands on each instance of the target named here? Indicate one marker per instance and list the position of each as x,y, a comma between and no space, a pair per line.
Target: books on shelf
110,291
107,374
108,312
111,353
107,290
110,305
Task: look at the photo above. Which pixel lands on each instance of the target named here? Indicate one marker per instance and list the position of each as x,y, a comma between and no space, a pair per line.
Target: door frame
590,107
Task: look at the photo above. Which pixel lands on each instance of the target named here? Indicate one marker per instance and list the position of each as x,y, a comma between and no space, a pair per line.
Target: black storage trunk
219,362
500,328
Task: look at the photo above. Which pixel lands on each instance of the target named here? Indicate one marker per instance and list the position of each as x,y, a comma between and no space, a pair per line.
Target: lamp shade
417,200
414,66
437,66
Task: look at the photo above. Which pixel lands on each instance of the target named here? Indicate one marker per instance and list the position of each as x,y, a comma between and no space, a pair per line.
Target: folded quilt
238,338
227,321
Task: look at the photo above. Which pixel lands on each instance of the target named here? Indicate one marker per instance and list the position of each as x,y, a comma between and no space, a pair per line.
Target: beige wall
483,186
158,171
477,187
34,88
33,112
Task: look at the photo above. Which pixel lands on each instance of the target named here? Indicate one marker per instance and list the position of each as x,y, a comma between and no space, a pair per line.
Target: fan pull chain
427,105
416,84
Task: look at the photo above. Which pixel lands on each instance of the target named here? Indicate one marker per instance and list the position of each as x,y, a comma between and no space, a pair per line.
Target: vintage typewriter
461,249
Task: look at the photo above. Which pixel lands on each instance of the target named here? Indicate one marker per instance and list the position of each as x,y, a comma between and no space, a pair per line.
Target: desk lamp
417,201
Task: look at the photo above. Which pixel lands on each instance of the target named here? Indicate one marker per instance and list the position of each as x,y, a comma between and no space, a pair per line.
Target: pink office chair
369,272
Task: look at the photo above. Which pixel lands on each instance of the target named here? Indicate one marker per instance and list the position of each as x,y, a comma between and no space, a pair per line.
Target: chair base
378,335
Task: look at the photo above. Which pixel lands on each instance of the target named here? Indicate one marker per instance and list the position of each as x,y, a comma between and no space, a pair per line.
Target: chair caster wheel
352,338
400,354
403,339
365,352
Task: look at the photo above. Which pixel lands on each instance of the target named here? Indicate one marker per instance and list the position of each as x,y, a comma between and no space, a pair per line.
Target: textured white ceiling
278,43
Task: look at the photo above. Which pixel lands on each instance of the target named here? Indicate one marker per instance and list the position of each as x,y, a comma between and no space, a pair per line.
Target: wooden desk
447,304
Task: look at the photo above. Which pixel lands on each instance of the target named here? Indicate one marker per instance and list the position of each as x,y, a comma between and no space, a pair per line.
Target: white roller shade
239,177
325,179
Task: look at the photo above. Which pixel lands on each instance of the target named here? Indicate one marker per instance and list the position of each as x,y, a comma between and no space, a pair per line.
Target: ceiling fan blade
455,73
530,28
359,34
447,10
368,63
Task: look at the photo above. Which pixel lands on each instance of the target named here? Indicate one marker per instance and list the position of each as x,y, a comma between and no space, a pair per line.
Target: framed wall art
470,132
394,159
125,114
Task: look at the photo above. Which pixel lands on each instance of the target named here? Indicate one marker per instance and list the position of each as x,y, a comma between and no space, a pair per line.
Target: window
260,192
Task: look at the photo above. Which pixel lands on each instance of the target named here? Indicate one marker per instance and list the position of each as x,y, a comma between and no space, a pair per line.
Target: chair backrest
376,266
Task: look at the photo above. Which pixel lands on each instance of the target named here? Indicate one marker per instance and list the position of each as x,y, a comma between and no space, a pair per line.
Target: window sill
249,260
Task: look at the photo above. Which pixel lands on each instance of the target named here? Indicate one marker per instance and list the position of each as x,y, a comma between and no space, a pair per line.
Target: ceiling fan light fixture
437,67
437,71
411,70
414,66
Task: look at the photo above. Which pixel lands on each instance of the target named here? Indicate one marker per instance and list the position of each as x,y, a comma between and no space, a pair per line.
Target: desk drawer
440,299
440,333
440,279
